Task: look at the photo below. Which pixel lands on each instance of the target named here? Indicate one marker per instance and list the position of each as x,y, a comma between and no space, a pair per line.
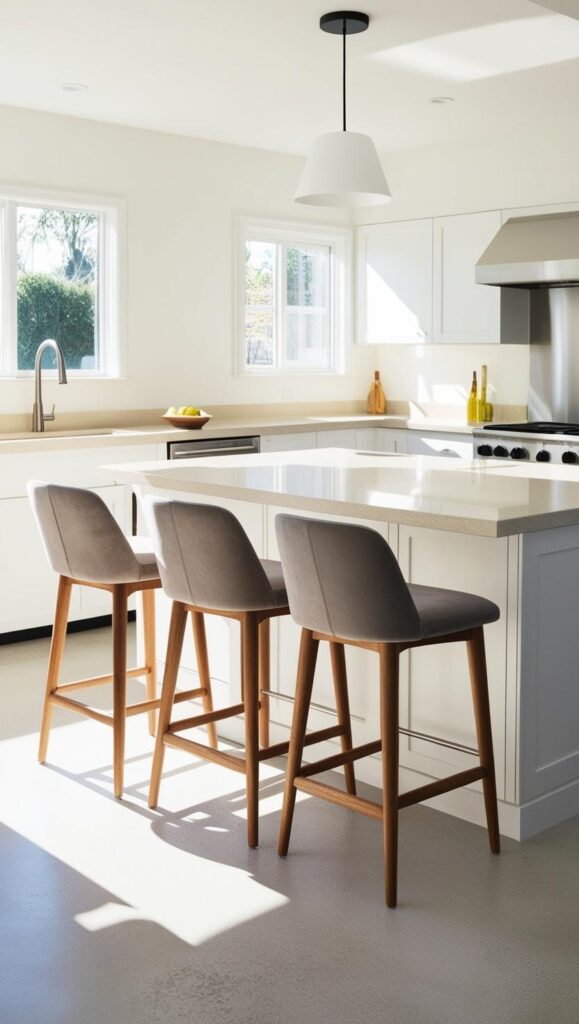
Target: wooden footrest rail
208,753
313,737
80,684
369,807
132,709
231,760
211,716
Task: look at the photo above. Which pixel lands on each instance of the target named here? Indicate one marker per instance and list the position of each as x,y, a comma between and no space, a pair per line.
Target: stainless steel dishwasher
198,449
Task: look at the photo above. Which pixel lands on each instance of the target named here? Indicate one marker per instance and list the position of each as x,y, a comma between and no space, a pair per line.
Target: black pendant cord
344,77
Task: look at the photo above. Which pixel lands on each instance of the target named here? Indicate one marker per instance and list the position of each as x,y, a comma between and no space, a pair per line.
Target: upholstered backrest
81,536
205,557
344,580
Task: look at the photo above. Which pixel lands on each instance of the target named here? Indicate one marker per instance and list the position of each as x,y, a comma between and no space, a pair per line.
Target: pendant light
343,168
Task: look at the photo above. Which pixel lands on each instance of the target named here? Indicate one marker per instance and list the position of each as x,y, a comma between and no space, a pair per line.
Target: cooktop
535,427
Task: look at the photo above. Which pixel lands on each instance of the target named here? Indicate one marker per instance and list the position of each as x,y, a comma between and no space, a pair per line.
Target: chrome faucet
39,417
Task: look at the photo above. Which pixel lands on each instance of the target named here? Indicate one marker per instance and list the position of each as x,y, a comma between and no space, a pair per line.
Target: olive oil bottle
472,403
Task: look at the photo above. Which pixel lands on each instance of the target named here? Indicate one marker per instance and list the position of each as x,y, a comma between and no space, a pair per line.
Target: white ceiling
260,72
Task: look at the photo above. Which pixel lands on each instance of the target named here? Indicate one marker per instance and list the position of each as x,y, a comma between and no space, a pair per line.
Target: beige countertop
67,440
491,499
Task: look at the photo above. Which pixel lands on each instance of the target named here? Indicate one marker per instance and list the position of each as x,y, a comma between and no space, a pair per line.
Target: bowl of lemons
187,417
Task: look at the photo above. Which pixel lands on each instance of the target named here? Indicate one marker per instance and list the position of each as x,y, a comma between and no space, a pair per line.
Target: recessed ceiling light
74,87
442,99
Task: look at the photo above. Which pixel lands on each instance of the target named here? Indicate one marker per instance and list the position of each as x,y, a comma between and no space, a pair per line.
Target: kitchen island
507,532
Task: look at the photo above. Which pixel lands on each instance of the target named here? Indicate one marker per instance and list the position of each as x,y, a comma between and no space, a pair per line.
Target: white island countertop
485,498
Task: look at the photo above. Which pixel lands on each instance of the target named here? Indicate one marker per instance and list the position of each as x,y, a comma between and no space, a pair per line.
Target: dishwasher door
212,447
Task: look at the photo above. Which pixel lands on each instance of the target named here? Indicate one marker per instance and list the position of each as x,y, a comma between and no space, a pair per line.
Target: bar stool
207,564
86,547
345,587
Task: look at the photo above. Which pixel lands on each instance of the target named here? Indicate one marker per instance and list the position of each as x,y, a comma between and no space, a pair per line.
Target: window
293,298
59,278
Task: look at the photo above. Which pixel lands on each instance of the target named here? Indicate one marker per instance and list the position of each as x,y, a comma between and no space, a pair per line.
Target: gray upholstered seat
83,540
207,560
343,580
446,611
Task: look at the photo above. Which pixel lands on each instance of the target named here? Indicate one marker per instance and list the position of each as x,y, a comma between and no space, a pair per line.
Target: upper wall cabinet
394,286
464,311
416,282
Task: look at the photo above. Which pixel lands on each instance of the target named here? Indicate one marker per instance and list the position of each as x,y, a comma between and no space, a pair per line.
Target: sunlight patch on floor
178,866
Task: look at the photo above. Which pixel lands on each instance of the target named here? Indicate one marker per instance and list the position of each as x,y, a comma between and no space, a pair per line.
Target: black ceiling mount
344,22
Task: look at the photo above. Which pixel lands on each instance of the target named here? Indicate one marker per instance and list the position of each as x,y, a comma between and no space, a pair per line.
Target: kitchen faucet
39,417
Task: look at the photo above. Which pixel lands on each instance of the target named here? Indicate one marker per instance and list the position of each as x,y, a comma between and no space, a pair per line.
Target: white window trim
112,278
340,240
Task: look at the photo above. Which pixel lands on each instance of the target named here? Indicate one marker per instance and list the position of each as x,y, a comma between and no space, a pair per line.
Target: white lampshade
343,169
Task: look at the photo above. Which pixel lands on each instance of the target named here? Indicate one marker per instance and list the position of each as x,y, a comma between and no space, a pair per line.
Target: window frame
287,234
111,341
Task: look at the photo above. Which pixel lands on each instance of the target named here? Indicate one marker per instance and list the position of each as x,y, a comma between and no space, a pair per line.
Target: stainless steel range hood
533,252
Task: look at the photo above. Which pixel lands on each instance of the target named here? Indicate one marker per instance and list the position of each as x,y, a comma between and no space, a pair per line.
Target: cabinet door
394,294
435,694
368,439
336,439
393,441
288,442
463,310
456,446
28,592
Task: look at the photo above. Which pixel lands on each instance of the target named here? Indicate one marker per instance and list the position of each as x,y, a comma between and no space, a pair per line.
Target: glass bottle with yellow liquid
484,412
472,402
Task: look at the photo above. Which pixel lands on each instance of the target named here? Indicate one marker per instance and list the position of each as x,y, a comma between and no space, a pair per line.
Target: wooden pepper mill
376,396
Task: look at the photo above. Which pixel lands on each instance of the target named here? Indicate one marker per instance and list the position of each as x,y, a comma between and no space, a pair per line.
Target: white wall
182,197
498,173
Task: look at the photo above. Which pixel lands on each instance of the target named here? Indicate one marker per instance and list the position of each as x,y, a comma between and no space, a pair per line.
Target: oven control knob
518,453
569,457
501,451
543,456
484,449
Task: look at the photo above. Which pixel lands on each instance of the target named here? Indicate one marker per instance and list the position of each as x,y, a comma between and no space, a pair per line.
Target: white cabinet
28,589
336,439
394,293
435,695
456,446
464,311
288,442
28,592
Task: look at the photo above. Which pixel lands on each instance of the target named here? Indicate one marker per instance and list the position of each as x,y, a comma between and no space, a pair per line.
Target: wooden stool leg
304,684
148,598
200,638
389,657
264,681
172,661
120,602
338,658
54,660
250,656
480,697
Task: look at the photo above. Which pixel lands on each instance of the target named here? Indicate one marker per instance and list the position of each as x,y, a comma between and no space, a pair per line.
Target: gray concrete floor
113,914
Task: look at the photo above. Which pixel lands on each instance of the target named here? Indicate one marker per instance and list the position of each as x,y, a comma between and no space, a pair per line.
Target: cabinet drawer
455,446
288,442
